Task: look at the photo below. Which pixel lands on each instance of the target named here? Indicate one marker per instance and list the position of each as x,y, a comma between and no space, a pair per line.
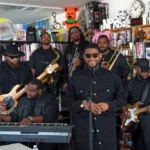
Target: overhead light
24,5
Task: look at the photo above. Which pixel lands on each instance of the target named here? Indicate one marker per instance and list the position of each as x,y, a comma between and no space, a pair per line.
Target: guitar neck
141,110
19,94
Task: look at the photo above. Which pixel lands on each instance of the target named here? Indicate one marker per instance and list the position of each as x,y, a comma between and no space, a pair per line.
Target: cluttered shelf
129,28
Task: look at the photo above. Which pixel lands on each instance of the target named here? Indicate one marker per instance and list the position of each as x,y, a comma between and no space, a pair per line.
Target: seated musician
136,88
36,107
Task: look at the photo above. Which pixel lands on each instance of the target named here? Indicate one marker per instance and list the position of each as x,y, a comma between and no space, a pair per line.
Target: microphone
89,94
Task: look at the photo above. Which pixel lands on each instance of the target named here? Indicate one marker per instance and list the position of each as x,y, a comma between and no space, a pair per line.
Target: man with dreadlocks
73,56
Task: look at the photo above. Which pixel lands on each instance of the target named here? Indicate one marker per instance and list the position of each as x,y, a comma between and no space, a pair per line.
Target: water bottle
35,147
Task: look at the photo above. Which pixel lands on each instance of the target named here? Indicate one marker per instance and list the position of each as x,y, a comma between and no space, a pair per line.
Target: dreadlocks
82,41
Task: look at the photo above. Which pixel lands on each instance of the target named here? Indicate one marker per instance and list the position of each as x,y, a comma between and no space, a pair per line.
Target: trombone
114,57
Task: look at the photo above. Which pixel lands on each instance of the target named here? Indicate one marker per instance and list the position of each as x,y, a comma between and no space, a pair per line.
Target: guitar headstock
51,68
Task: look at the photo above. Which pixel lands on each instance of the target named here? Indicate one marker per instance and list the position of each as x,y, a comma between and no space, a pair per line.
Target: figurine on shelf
71,17
148,36
140,35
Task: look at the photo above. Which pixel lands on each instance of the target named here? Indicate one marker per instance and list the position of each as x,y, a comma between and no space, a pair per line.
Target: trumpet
113,58
72,66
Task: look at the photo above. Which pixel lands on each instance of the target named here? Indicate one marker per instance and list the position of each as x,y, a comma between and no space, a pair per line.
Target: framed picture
97,16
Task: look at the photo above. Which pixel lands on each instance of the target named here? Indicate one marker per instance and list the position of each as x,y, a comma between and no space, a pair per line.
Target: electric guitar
134,111
11,99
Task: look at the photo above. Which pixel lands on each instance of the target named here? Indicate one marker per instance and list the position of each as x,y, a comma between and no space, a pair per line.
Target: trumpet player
73,57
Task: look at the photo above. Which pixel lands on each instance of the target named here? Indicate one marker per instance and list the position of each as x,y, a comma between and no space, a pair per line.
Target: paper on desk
16,146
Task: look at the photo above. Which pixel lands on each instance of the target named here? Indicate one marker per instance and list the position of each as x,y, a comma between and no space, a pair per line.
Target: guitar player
13,71
138,90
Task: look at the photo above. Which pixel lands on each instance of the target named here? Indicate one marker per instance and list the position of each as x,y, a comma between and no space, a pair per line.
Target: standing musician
108,96
136,87
121,67
36,107
73,55
42,57
13,71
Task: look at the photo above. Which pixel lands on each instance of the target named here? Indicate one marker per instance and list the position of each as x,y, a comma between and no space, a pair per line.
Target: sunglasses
12,57
91,55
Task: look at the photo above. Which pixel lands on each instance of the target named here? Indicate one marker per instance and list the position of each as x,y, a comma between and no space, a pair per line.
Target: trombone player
119,67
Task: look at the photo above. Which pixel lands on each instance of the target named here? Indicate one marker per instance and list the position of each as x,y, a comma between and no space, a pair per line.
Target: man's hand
77,62
105,65
148,109
126,115
103,106
65,86
25,121
94,108
2,106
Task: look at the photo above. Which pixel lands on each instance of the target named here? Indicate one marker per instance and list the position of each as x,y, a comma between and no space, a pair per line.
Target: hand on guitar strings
126,115
2,106
25,121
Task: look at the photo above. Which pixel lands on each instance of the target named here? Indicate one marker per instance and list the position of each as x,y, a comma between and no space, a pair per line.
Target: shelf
23,42
129,28
128,55
142,26
123,47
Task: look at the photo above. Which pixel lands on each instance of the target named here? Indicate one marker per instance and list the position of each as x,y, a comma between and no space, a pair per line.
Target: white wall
114,6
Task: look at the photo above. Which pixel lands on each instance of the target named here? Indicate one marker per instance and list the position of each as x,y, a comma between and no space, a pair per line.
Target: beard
76,39
46,42
13,65
103,50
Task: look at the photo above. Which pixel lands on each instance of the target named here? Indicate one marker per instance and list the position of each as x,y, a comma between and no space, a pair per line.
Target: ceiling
23,15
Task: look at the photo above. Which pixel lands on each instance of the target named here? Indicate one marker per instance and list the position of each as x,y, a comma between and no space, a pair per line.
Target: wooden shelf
129,28
128,55
123,47
142,26
120,29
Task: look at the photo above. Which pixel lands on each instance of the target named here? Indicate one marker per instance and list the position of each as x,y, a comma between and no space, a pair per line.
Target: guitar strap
145,92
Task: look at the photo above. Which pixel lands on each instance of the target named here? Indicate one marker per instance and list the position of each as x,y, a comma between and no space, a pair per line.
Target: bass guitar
134,111
11,99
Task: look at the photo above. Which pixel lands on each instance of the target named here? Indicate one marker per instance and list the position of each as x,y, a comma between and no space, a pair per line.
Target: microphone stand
90,120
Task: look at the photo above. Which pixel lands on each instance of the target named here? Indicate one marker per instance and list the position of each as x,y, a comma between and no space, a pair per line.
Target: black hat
74,28
143,63
12,51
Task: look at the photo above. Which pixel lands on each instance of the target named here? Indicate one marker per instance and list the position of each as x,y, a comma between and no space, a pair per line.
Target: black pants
136,137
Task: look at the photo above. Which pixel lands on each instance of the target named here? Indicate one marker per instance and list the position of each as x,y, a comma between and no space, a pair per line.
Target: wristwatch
82,104
30,117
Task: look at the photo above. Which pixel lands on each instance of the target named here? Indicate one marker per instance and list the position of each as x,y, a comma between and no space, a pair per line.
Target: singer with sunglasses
13,71
107,95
